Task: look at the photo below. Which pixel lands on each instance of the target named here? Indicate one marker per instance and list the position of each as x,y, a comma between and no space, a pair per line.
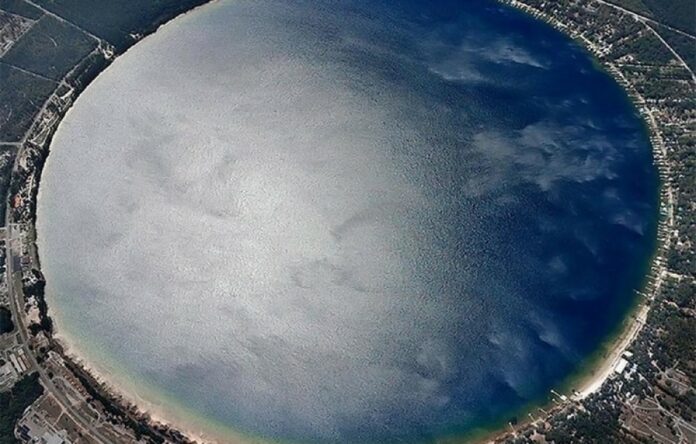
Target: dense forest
680,14
116,20
6,324
13,404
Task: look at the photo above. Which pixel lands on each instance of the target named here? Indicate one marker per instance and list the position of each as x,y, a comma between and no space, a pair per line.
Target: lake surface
347,221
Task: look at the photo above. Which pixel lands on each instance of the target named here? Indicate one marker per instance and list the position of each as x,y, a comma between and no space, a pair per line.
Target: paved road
674,53
12,283
647,21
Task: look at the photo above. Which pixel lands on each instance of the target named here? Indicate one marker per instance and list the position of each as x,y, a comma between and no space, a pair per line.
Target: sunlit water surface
347,221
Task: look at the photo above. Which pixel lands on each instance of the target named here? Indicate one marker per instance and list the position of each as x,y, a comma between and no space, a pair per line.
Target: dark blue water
350,221
568,228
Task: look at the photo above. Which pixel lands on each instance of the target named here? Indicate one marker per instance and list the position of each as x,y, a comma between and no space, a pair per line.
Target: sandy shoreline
587,381
607,365
157,414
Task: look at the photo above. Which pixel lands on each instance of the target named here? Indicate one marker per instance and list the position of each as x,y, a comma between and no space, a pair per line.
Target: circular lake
346,222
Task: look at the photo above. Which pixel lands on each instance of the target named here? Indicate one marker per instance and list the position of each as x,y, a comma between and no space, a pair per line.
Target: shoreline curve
591,377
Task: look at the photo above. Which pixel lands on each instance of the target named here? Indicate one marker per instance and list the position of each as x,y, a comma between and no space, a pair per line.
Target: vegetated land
59,39
22,8
647,48
115,20
50,48
21,97
13,404
7,155
683,45
680,14
6,325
